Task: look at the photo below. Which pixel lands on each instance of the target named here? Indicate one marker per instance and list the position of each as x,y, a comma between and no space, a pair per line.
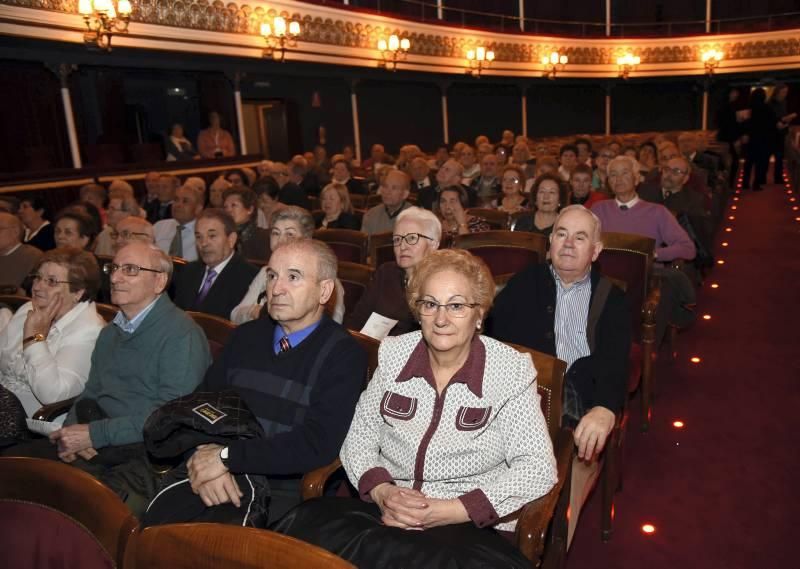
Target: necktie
285,345
201,296
176,247
623,207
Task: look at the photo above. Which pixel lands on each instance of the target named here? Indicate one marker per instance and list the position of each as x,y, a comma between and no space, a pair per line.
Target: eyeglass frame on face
676,171
131,270
125,234
411,239
452,308
51,282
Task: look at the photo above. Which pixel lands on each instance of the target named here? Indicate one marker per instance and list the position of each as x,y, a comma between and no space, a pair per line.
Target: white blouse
53,370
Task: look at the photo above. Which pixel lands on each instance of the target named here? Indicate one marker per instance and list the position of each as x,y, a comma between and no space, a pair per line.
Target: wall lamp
103,21
478,59
711,60
554,63
279,37
392,51
627,63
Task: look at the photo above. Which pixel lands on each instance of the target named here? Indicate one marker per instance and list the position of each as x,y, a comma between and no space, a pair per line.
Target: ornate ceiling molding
338,33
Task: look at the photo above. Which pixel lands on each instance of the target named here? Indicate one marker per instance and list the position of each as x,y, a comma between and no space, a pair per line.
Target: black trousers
757,156
352,529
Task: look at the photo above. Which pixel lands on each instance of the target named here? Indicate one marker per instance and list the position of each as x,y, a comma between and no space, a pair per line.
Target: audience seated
152,183
96,195
74,229
627,213
308,181
417,232
647,158
469,161
600,177
16,258
377,158
178,147
393,192
38,230
162,207
215,141
218,281
568,160
253,241
581,185
288,180
512,200
584,147
216,191
452,205
487,186
175,236
548,195
267,199
337,211
45,350
150,354
304,375
566,308
450,174
420,174
118,209
469,483
340,174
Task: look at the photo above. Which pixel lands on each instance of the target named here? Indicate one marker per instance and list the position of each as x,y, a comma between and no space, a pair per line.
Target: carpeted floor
720,491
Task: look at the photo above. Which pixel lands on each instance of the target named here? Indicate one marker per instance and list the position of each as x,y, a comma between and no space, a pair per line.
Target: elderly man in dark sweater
299,372
569,310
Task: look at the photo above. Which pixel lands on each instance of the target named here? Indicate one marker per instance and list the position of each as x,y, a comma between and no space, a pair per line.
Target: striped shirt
572,313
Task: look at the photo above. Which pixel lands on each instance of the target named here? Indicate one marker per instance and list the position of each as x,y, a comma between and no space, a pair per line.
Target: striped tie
285,345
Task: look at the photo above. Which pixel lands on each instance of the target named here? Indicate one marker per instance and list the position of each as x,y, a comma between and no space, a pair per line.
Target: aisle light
706,317
720,262
731,217
648,529
677,424
724,243
695,360
734,207
714,285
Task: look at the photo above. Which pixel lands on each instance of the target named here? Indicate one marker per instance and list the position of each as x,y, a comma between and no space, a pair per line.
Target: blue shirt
130,326
295,338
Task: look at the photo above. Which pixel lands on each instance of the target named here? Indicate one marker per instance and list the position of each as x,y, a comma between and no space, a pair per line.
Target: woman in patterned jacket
448,439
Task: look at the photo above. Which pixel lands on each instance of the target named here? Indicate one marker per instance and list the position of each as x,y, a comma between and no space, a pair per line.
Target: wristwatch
223,456
33,339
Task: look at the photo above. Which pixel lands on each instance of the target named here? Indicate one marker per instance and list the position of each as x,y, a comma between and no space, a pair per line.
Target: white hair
598,225
425,218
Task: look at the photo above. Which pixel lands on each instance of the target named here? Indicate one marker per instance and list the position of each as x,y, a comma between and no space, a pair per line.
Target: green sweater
133,374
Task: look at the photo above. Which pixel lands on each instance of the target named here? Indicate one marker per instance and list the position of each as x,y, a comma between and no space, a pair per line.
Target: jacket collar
471,373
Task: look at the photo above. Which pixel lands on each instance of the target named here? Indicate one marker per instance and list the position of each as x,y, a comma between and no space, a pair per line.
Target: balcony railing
430,12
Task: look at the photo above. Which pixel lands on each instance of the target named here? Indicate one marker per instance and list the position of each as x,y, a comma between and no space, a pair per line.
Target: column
608,110
608,18
356,128
237,99
522,15
524,113
708,16
445,124
440,9
706,89
63,72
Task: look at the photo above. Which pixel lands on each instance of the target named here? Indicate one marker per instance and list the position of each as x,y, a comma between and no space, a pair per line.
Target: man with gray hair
151,353
394,191
302,389
568,309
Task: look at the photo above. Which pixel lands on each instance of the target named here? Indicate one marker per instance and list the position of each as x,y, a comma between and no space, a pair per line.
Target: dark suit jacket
428,197
226,293
524,313
356,187
344,221
45,239
684,203
156,213
292,194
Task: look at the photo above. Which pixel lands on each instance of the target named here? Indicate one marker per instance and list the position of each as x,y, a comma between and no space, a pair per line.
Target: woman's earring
478,325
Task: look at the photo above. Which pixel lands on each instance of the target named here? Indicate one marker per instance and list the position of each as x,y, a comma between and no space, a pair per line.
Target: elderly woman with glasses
448,439
46,349
513,185
417,232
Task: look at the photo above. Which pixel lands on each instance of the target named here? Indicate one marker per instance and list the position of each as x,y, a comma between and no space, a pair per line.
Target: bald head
132,229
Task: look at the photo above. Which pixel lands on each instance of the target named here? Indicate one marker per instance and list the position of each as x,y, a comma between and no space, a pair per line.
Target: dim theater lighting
479,59
695,360
706,317
280,35
721,262
715,285
103,21
393,50
677,424
553,63
648,529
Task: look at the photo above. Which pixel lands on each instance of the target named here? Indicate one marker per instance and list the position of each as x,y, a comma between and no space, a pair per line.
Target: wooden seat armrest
535,517
53,410
650,305
313,484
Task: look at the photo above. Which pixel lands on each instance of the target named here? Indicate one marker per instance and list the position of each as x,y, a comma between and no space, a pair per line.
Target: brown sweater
18,265
386,295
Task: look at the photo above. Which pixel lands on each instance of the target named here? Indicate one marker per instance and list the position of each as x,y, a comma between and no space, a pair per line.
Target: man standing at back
298,371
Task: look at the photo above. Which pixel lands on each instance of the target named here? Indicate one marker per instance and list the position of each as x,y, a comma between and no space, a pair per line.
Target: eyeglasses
129,270
49,281
409,238
456,309
125,234
676,171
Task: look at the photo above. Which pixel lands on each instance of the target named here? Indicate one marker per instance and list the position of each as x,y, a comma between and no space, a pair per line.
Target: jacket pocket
472,418
398,406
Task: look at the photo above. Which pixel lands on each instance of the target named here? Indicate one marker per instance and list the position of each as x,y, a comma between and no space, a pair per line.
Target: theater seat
90,505
216,329
504,252
216,546
348,245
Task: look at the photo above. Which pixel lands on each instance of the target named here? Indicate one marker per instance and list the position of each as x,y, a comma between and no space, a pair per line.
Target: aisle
722,491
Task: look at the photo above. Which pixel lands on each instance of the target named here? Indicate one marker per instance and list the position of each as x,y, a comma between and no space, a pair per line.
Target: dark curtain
482,108
555,110
641,107
34,135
